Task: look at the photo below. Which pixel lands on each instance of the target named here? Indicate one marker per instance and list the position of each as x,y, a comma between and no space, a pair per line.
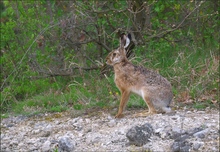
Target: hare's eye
114,54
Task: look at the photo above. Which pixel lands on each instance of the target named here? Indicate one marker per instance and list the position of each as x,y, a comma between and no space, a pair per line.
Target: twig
19,63
168,31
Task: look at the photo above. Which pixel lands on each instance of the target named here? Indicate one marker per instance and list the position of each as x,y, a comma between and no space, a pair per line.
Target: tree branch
171,30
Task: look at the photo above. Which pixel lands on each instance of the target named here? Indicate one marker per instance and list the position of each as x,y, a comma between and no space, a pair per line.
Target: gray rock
196,146
37,131
180,146
139,135
175,147
182,138
46,146
45,134
2,136
10,125
195,130
66,144
92,138
111,123
165,132
75,120
201,134
13,143
176,133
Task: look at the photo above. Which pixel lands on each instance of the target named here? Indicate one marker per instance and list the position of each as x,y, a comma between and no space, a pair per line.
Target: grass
88,93
193,72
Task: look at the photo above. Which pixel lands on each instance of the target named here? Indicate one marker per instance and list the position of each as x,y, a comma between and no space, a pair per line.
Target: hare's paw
119,116
144,114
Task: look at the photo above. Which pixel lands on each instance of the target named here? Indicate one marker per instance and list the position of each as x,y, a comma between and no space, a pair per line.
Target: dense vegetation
53,51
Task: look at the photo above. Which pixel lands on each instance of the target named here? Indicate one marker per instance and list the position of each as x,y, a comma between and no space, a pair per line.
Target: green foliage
136,102
190,69
202,105
36,38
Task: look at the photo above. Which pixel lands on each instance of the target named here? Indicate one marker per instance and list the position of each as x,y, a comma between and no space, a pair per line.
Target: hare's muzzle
107,62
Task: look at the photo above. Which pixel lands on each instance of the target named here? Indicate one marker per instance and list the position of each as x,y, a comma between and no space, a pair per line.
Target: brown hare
152,87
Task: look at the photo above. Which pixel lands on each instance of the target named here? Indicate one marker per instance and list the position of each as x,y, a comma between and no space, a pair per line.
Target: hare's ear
124,41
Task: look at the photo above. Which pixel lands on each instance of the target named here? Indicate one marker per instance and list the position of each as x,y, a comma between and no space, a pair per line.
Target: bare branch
19,63
178,26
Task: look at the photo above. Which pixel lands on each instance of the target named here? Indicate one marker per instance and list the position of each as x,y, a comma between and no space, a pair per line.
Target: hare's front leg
124,99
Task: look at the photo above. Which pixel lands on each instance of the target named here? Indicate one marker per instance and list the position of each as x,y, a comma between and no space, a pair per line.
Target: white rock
109,118
158,130
20,145
206,118
87,120
111,123
74,120
30,141
177,130
46,146
48,128
37,131
13,143
57,122
2,136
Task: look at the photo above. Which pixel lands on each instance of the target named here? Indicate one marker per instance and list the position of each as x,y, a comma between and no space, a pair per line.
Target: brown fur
152,87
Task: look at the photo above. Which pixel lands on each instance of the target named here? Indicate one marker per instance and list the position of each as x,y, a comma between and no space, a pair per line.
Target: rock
183,131
74,120
37,131
109,117
9,125
93,138
201,134
21,145
88,130
48,128
176,132
182,138
2,136
31,141
45,134
158,130
195,130
7,149
180,143
196,146
164,132
121,132
180,146
13,143
46,146
111,123
139,135
66,144
175,147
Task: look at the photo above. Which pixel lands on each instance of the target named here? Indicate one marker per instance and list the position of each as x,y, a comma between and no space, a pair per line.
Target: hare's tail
166,109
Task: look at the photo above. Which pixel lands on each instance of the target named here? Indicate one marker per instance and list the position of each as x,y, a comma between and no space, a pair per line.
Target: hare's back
151,77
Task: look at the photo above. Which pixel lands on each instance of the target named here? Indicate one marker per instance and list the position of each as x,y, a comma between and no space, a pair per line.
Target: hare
155,90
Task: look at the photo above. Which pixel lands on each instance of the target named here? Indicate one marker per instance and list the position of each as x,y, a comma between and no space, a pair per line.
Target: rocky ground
181,131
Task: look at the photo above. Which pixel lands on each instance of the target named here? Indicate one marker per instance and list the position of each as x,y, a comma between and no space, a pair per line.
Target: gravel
183,130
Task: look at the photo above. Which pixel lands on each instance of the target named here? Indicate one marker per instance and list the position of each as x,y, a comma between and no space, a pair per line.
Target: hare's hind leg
124,99
150,107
